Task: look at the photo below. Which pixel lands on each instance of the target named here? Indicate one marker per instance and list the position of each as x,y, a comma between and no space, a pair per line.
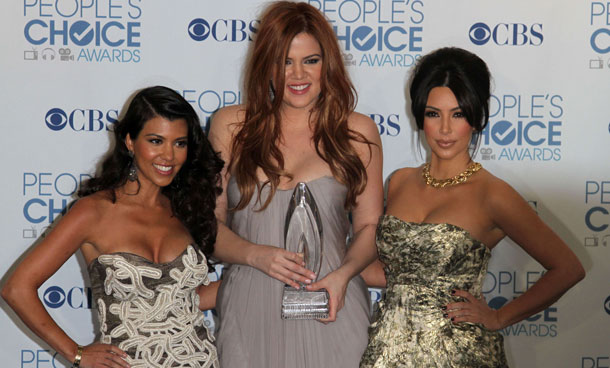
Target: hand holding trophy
303,234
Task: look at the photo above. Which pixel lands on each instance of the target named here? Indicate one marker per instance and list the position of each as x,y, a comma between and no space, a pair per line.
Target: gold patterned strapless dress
424,262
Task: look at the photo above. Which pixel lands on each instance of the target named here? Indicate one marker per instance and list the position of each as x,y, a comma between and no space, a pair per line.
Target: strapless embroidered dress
151,310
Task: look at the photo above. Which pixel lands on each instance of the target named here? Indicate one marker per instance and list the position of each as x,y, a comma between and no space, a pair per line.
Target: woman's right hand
282,265
103,355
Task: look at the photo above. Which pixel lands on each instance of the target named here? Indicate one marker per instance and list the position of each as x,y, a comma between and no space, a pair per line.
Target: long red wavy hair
255,143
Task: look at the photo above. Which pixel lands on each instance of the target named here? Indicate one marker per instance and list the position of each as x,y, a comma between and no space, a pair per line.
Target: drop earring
133,171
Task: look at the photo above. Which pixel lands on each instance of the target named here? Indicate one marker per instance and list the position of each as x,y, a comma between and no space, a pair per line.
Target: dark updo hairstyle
461,71
193,191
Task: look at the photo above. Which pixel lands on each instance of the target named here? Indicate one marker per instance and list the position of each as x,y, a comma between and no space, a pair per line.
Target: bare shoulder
498,194
227,118
223,128
364,125
400,177
91,204
91,207
81,221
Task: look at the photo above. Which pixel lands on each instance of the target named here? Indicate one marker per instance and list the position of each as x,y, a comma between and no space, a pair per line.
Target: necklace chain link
458,179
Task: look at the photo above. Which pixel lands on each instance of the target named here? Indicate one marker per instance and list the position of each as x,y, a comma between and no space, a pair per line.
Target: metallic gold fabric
424,262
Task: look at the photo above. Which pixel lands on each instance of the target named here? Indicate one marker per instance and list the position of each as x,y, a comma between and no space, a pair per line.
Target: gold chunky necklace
459,178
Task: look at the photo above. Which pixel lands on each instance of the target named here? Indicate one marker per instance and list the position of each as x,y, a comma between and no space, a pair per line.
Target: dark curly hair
193,191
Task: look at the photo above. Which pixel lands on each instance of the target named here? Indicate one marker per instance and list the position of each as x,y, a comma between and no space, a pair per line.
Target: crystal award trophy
303,234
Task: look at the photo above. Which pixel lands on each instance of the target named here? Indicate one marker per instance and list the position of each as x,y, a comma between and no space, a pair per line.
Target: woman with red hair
297,125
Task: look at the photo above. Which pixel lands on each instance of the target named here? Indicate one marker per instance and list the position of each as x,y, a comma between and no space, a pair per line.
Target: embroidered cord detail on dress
154,316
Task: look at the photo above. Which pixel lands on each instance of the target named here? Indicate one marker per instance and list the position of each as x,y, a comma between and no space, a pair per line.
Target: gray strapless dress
151,310
251,331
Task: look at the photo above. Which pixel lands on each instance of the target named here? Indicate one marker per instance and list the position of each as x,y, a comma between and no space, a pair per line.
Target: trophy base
303,304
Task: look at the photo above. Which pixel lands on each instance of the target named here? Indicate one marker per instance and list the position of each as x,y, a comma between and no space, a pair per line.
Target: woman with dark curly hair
297,125
145,226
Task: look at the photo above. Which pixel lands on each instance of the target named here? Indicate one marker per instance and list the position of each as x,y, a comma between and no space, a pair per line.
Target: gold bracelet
77,358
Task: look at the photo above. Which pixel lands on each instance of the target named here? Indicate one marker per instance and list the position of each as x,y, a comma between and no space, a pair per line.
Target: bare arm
207,295
20,291
373,274
365,215
519,222
275,262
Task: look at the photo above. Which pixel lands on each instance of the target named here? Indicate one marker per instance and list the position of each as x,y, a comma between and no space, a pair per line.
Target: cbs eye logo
479,33
75,298
54,297
56,119
199,29
497,302
507,34
607,305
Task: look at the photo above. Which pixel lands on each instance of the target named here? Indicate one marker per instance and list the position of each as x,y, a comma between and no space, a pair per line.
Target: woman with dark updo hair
435,240
145,226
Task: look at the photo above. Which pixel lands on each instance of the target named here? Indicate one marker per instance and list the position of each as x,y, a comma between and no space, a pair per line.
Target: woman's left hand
336,285
472,310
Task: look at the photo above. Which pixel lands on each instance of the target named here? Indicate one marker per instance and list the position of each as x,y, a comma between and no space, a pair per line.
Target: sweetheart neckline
96,259
466,232
308,182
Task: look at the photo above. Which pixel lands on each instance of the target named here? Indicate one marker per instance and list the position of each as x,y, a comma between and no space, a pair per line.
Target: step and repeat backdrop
68,66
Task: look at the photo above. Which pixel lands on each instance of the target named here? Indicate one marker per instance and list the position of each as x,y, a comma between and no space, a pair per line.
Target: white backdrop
68,66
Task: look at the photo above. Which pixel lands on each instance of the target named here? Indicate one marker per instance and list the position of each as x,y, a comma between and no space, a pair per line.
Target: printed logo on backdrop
207,101
376,295
375,33
222,30
506,34
597,215
387,124
76,297
81,119
595,361
35,357
607,305
599,41
523,127
96,31
45,197
500,287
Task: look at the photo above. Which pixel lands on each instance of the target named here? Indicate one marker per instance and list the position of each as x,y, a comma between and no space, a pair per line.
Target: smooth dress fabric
151,310
424,262
251,331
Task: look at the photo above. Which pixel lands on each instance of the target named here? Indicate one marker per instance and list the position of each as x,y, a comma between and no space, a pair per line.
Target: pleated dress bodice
251,331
